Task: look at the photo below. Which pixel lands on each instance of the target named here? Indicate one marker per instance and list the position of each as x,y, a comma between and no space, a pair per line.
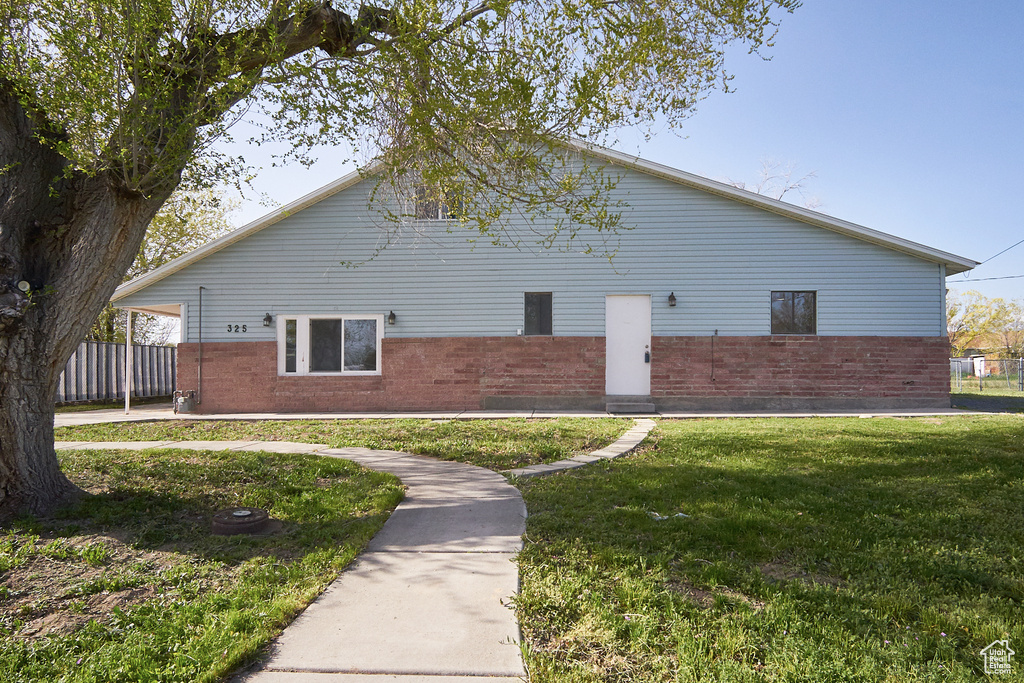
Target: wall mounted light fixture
392,318
268,320
672,299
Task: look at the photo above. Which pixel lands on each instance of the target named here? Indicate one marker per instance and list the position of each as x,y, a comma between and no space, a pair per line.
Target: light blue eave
720,257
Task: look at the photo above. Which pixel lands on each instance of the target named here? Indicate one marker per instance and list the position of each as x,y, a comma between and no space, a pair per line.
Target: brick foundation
800,372
468,373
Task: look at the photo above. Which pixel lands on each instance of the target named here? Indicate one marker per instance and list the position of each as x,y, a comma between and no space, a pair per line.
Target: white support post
128,358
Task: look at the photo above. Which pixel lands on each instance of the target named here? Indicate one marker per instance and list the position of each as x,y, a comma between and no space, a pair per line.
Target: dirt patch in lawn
781,571
60,584
705,599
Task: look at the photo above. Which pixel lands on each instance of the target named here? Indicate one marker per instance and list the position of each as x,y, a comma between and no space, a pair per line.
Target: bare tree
776,179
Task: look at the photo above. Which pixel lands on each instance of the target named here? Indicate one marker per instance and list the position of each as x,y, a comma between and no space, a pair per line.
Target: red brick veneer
433,373
467,373
800,371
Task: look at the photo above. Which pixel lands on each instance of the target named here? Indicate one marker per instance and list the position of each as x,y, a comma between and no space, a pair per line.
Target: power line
968,278
983,279
1003,252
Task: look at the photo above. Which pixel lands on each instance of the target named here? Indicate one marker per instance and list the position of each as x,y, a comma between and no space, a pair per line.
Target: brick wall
800,372
569,372
450,373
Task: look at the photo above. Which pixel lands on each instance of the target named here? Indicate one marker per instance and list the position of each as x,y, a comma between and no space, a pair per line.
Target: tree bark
70,236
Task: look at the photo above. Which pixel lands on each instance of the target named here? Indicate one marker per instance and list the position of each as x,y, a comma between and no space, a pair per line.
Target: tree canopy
463,92
977,322
106,106
188,220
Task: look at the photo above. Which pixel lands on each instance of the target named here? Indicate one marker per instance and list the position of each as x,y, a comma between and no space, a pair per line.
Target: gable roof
954,264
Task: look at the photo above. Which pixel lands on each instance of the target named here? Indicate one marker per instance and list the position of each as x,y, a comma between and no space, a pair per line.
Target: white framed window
434,205
329,344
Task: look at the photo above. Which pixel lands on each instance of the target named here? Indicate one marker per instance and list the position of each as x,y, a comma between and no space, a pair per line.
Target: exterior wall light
392,318
268,320
672,299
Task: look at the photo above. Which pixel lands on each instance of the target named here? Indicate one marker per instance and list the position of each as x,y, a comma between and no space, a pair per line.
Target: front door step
630,408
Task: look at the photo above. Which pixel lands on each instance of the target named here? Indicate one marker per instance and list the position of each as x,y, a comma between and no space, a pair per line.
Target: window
434,205
324,344
794,313
537,313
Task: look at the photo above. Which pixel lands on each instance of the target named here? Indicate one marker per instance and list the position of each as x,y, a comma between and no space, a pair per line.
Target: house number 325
238,328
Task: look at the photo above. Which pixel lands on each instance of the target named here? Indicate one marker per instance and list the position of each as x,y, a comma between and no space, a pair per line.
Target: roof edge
954,264
237,234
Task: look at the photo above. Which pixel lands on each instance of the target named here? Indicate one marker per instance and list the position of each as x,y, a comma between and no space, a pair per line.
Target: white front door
627,322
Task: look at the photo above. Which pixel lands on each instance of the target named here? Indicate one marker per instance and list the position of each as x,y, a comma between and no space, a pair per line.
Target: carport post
128,374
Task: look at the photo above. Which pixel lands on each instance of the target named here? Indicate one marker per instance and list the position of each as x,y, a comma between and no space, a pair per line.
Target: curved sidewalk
427,601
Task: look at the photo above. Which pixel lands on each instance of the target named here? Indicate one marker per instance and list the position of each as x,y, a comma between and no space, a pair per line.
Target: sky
910,114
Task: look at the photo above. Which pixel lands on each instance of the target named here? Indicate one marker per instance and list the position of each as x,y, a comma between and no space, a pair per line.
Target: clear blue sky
910,112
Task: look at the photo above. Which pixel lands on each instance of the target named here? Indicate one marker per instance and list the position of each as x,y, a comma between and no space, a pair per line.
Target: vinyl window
794,313
329,344
537,313
433,205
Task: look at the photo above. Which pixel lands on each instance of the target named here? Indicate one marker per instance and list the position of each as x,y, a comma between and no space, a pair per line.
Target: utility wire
1003,251
983,279
968,278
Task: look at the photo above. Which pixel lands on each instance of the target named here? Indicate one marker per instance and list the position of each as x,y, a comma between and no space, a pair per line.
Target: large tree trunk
71,237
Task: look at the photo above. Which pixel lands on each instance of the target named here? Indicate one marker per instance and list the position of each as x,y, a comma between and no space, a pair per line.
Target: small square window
427,205
537,313
433,204
794,313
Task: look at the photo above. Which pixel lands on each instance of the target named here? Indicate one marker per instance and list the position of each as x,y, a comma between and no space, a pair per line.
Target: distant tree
1008,327
189,219
776,179
969,318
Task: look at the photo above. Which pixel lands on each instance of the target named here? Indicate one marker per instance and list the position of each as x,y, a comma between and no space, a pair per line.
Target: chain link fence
979,374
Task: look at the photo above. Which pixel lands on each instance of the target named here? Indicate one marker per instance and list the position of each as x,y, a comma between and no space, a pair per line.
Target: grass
991,386
738,550
496,444
811,550
107,405
129,585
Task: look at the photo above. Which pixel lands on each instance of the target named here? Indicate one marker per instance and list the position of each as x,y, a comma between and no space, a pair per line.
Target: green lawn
107,405
497,444
991,386
129,585
812,550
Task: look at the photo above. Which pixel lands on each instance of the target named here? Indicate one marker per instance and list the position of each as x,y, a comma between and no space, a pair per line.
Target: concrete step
630,408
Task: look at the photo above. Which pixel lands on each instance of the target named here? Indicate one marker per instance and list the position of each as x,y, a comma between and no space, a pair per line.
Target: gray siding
720,258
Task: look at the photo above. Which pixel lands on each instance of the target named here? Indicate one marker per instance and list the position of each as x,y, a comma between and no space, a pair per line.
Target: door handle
647,356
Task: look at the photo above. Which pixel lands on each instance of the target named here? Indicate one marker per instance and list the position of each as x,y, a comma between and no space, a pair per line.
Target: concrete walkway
151,413
428,600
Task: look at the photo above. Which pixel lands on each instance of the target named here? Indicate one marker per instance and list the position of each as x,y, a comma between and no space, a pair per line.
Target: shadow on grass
988,404
165,500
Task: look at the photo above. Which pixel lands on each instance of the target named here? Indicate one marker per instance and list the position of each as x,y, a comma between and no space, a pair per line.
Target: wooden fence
96,371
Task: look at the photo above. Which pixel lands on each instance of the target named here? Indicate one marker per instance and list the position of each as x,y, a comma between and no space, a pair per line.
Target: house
717,299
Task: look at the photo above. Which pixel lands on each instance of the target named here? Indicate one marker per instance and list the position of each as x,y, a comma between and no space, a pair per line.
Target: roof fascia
954,264
216,245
